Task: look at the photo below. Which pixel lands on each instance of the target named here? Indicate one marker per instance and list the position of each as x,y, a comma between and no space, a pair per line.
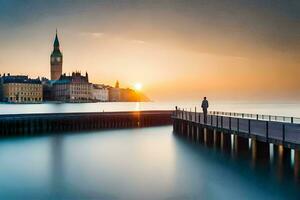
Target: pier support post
188,129
282,157
185,130
297,165
260,153
282,154
226,142
217,139
241,145
200,134
175,126
181,128
195,132
208,136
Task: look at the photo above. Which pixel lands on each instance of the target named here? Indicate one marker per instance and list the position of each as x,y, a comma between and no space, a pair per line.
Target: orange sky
175,53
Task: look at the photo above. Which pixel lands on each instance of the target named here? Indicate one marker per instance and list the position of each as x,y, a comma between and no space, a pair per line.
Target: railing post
186,114
211,120
283,132
292,120
267,130
229,123
238,125
195,114
249,126
257,117
222,121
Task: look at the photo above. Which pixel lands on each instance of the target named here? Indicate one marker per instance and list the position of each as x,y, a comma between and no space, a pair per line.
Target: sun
138,86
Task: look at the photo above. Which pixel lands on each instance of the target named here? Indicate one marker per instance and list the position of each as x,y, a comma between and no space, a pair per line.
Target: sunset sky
225,49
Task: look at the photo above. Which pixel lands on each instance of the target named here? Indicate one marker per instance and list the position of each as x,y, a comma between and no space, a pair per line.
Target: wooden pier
264,128
244,134
33,124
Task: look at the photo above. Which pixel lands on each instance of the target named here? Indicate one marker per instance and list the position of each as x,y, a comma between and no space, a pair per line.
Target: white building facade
100,93
75,88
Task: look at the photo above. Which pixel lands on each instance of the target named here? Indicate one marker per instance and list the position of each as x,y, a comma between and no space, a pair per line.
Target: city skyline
192,48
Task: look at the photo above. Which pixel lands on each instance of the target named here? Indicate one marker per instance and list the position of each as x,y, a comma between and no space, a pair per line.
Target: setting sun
138,86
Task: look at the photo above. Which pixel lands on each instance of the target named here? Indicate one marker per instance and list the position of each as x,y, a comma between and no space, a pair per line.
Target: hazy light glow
138,86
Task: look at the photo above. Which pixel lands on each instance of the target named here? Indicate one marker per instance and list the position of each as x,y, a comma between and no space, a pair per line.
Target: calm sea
137,164
133,164
284,109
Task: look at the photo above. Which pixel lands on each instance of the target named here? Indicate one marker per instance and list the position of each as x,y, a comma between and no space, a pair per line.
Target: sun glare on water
138,86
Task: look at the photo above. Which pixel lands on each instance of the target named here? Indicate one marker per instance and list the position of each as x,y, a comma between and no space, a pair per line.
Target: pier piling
221,127
33,124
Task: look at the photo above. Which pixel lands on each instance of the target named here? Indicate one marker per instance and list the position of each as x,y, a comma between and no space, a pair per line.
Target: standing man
204,107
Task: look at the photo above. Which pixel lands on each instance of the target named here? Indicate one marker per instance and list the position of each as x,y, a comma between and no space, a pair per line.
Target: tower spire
117,84
56,42
56,60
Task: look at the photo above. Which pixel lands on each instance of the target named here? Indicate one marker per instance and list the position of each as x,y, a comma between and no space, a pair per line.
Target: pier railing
263,117
274,118
275,128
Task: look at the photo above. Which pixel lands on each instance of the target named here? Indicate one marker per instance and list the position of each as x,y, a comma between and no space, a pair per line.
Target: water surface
148,163
283,109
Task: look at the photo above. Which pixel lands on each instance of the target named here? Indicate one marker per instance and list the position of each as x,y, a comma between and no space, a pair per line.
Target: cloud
138,41
95,35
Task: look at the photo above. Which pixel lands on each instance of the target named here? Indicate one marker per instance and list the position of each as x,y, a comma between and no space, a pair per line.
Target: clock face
56,59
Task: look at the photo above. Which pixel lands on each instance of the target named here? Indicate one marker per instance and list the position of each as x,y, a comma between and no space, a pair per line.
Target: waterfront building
74,88
100,92
125,94
21,89
128,95
47,89
56,60
115,92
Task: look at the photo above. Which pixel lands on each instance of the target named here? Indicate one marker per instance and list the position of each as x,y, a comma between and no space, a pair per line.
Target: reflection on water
57,174
148,163
137,106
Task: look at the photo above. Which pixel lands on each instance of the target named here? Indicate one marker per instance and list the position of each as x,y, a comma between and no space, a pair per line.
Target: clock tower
56,60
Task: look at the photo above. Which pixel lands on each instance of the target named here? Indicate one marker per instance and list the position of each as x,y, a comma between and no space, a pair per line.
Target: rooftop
19,79
76,77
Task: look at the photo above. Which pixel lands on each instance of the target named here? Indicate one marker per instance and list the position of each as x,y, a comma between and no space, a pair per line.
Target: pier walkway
278,130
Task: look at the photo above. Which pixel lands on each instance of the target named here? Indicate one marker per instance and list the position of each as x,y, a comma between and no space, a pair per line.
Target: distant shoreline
58,102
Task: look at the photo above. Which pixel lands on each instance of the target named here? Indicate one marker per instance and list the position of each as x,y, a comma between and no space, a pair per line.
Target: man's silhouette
204,107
